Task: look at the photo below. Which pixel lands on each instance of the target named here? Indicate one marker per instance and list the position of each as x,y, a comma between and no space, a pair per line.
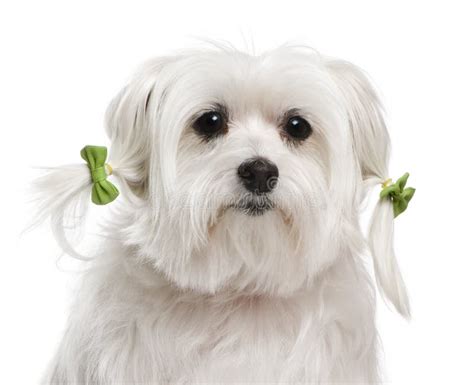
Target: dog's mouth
253,205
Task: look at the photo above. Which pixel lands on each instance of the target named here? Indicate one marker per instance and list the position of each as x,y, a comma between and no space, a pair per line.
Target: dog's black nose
258,175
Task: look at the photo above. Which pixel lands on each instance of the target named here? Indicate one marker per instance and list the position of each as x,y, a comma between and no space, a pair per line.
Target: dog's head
249,170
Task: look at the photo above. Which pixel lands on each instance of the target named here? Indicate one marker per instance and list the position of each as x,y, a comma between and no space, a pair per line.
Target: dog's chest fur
148,334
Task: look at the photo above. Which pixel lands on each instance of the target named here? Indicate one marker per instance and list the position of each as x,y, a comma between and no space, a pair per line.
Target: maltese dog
234,253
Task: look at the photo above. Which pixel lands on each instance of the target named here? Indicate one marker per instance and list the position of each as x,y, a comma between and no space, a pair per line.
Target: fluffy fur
189,289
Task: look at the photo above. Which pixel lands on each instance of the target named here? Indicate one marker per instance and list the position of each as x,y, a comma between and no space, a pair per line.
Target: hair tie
103,191
397,193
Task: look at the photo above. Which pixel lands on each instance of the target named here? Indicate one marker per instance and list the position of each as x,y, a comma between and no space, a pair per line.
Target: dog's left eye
211,124
297,128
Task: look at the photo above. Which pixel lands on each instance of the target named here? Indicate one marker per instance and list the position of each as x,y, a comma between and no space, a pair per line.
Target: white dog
234,252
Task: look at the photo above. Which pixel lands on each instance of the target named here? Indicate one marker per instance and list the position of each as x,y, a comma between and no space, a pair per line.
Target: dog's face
248,168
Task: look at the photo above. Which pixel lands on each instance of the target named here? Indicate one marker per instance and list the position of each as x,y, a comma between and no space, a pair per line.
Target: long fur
186,288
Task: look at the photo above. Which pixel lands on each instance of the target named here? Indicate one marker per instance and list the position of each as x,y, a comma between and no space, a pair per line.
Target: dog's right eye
211,124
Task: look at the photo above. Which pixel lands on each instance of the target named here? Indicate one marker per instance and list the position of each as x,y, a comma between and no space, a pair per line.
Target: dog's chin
254,205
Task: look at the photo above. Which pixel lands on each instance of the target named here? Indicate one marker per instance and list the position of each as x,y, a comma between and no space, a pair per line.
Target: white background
61,63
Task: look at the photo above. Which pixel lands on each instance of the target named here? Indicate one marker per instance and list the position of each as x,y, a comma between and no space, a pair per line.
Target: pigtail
387,272
63,195
394,199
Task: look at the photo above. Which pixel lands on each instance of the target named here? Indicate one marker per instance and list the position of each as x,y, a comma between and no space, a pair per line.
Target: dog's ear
63,192
371,145
130,120
371,141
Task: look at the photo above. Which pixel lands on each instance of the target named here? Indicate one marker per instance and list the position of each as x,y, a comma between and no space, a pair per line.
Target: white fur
187,290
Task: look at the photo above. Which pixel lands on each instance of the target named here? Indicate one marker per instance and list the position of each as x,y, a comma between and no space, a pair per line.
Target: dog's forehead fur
270,83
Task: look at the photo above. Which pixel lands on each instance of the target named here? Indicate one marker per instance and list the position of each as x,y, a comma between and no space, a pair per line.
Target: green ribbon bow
103,191
399,195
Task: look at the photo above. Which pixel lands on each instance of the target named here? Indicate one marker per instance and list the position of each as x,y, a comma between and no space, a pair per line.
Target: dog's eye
211,124
297,128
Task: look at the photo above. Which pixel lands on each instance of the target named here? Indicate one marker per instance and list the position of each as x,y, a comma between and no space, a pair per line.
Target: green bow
399,195
103,191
